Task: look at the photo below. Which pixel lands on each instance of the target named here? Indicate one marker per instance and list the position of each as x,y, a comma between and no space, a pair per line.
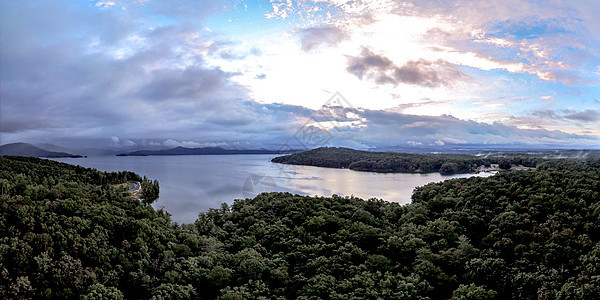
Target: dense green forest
71,232
388,162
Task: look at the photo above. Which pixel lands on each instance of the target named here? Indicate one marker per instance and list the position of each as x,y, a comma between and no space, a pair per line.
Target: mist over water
193,184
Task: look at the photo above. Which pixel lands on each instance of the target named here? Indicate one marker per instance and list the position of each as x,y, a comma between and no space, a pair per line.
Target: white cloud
281,9
105,4
129,143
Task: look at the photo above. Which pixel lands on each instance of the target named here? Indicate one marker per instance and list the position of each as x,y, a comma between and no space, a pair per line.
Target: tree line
394,162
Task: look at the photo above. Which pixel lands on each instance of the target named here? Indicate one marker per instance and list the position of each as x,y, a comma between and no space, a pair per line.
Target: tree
100,292
504,164
473,292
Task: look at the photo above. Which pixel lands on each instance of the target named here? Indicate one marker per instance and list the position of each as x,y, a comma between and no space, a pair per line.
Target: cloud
171,143
129,143
229,50
589,115
566,120
191,83
419,124
149,74
547,114
104,4
313,38
383,128
553,40
80,73
281,9
402,108
382,70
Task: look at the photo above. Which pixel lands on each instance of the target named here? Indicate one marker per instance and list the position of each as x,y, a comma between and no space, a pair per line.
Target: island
394,162
446,163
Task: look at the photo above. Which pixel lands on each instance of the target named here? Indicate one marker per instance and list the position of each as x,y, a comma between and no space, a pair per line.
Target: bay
192,184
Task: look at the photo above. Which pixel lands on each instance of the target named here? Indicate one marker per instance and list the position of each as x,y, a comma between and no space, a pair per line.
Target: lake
192,184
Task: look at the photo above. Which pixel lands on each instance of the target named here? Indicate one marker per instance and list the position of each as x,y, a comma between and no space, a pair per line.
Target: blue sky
160,73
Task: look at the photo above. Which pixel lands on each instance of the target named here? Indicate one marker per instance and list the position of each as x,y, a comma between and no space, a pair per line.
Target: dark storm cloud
325,35
382,70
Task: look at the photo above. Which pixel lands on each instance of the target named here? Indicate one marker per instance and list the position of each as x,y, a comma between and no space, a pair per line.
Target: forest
395,162
70,232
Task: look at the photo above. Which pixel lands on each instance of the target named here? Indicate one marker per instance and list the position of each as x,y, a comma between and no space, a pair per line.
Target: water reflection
192,184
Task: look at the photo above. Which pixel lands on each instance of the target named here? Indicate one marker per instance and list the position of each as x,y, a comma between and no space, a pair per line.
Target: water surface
194,183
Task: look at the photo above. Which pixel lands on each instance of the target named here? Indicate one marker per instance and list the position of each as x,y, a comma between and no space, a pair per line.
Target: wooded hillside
394,162
71,232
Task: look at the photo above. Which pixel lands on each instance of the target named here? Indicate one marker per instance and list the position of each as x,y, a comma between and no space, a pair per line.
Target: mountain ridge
26,149
200,151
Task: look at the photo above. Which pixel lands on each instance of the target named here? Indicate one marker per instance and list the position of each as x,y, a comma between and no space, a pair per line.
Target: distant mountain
79,151
198,151
55,148
25,149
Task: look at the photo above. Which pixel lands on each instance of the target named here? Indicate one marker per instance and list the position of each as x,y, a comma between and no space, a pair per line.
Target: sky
272,74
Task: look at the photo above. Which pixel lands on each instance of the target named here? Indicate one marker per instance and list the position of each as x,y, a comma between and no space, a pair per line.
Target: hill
55,148
25,149
79,151
197,151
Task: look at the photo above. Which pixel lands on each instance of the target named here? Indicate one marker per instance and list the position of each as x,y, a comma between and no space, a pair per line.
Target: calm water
193,184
